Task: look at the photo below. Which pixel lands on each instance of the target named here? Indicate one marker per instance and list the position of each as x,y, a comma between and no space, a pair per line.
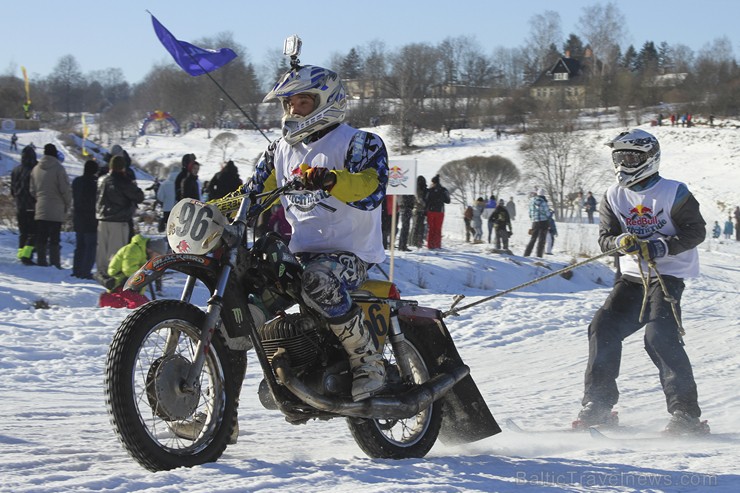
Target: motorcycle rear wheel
409,438
160,426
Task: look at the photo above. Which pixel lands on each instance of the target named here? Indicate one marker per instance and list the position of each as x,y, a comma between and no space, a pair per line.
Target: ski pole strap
458,298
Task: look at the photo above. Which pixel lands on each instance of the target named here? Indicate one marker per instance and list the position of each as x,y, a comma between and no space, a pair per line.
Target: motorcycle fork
210,325
174,336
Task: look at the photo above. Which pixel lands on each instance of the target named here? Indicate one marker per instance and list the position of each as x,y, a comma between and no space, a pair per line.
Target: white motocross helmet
636,155
330,100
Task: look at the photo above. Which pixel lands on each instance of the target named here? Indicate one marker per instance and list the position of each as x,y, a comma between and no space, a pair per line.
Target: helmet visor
629,159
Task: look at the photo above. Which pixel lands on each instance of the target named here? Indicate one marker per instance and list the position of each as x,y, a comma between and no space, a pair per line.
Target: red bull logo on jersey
643,222
641,210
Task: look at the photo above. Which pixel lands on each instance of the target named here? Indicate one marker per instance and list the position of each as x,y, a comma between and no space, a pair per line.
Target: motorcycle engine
297,334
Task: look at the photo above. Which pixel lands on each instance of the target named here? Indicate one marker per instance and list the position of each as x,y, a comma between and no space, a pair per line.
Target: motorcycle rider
336,223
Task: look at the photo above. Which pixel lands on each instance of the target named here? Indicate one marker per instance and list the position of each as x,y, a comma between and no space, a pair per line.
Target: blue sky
102,34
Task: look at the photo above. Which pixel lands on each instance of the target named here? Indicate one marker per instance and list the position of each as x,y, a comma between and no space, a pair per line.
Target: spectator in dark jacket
189,188
84,195
419,212
436,198
117,199
25,204
502,225
590,205
50,185
186,160
224,182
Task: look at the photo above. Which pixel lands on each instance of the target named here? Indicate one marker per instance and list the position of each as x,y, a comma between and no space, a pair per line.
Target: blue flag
193,60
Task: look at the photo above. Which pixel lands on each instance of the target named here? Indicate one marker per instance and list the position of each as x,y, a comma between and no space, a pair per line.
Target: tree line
455,83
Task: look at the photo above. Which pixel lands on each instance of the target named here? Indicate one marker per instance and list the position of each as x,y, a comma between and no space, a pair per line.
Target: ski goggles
629,159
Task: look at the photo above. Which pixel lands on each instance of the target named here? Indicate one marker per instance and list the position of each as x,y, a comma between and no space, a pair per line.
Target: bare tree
712,85
478,176
225,143
682,57
113,84
413,72
467,75
544,32
117,119
65,84
11,96
559,158
375,66
602,27
509,68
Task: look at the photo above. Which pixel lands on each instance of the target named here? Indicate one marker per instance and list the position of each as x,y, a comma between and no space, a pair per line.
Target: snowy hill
527,351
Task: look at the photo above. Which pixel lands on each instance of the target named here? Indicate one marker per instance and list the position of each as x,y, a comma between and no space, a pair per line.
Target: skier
658,222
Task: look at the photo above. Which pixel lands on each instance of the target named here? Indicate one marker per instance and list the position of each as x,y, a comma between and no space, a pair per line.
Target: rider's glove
651,249
646,249
628,243
319,179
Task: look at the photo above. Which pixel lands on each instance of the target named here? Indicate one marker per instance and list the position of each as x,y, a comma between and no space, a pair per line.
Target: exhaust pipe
383,407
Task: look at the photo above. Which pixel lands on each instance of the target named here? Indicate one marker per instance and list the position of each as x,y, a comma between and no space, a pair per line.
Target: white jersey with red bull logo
322,223
648,214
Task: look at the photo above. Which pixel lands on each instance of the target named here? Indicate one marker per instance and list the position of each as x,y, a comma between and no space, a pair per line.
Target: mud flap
466,417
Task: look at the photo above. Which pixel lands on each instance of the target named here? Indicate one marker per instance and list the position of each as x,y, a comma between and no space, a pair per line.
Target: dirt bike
174,372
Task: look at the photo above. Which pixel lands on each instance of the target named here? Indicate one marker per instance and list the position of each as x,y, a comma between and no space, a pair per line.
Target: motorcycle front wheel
402,438
161,424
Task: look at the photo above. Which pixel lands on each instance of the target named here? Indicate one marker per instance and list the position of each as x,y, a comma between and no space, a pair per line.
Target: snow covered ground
527,351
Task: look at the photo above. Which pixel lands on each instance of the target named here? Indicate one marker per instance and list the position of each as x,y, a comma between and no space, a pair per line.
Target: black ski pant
539,235
619,318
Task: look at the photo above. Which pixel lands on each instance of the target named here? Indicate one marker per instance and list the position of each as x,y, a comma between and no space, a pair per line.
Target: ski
512,425
662,435
624,434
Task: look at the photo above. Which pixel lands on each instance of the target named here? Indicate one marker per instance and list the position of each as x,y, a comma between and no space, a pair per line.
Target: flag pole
213,80
232,100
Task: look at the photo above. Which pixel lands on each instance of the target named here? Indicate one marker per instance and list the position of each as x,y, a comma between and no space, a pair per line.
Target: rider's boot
366,363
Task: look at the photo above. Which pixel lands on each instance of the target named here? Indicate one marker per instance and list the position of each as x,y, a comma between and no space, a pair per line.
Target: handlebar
267,198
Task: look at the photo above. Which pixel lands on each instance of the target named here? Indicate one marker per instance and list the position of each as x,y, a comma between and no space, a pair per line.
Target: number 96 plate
194,227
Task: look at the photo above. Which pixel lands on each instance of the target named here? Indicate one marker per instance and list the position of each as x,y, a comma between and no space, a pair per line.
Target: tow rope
645,279
458,298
